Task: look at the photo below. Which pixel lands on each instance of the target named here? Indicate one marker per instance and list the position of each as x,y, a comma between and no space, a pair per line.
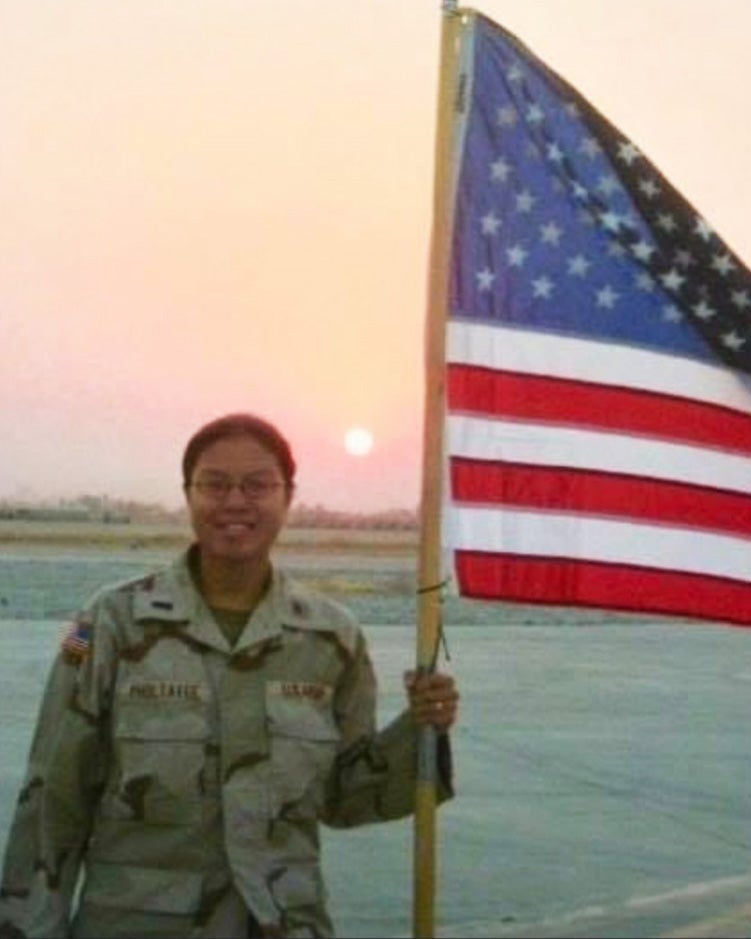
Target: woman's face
233,524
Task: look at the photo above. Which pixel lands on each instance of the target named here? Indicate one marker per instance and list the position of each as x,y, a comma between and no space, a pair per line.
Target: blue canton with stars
562,225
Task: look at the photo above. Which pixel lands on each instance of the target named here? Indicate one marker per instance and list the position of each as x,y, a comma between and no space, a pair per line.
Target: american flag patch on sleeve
76,642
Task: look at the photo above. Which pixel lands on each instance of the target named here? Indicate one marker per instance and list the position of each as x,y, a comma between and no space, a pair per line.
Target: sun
358,441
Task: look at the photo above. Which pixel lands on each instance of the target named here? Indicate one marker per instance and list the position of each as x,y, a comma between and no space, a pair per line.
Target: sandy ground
117,536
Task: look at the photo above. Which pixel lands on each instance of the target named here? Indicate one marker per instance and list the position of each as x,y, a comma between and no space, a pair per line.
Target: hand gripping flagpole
430,565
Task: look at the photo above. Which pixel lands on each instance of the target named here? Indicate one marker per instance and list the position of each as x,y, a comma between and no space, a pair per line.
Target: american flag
76,641
598,353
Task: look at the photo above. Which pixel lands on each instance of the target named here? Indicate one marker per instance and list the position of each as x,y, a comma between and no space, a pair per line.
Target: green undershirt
231,622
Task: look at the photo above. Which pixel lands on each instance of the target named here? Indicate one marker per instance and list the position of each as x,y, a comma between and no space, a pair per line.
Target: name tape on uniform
166,691
309,690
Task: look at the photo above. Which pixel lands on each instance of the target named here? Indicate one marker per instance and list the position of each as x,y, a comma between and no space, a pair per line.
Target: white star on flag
673,280
485,279
500,170
542,287
578,266
628,152
607,297
516,256
551,233
490,224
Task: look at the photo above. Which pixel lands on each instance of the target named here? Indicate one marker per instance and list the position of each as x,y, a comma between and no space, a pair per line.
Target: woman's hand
433,699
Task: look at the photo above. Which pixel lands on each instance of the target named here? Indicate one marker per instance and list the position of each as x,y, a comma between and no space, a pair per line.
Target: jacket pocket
162,711
146,889
303,742
159,750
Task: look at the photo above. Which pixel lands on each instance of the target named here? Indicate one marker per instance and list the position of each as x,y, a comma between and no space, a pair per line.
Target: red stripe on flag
541,399
595,584
596,493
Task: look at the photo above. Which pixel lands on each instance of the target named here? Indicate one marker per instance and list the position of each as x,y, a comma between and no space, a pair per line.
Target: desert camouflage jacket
180,782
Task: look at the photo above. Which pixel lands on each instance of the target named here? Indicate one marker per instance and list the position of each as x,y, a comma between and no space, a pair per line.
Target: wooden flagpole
430,564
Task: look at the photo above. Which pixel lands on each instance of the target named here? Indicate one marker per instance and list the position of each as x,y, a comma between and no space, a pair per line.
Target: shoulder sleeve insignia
76,642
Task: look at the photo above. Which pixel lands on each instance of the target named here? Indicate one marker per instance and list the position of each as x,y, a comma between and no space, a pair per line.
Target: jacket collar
171,595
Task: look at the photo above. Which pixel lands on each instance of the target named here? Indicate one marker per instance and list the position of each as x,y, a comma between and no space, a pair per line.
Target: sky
225,205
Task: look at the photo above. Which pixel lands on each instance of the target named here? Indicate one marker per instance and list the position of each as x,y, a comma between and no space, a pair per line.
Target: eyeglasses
218,488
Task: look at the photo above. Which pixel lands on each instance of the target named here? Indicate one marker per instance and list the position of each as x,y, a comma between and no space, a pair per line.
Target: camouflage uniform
187,778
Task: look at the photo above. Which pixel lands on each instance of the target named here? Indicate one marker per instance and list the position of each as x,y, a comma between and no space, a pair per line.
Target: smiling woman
227,707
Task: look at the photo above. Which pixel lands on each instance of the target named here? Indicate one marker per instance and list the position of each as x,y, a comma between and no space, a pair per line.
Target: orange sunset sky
215,205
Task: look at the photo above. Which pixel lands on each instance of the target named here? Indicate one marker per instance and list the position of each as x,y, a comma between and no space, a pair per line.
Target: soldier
197,726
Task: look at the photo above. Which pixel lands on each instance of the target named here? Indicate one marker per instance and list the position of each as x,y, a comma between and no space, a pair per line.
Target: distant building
45,513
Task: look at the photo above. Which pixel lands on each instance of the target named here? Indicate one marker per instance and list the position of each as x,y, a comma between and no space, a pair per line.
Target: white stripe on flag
558,535
545,445
499,348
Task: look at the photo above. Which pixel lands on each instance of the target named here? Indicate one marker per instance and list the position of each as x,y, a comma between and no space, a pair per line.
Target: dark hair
240,425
